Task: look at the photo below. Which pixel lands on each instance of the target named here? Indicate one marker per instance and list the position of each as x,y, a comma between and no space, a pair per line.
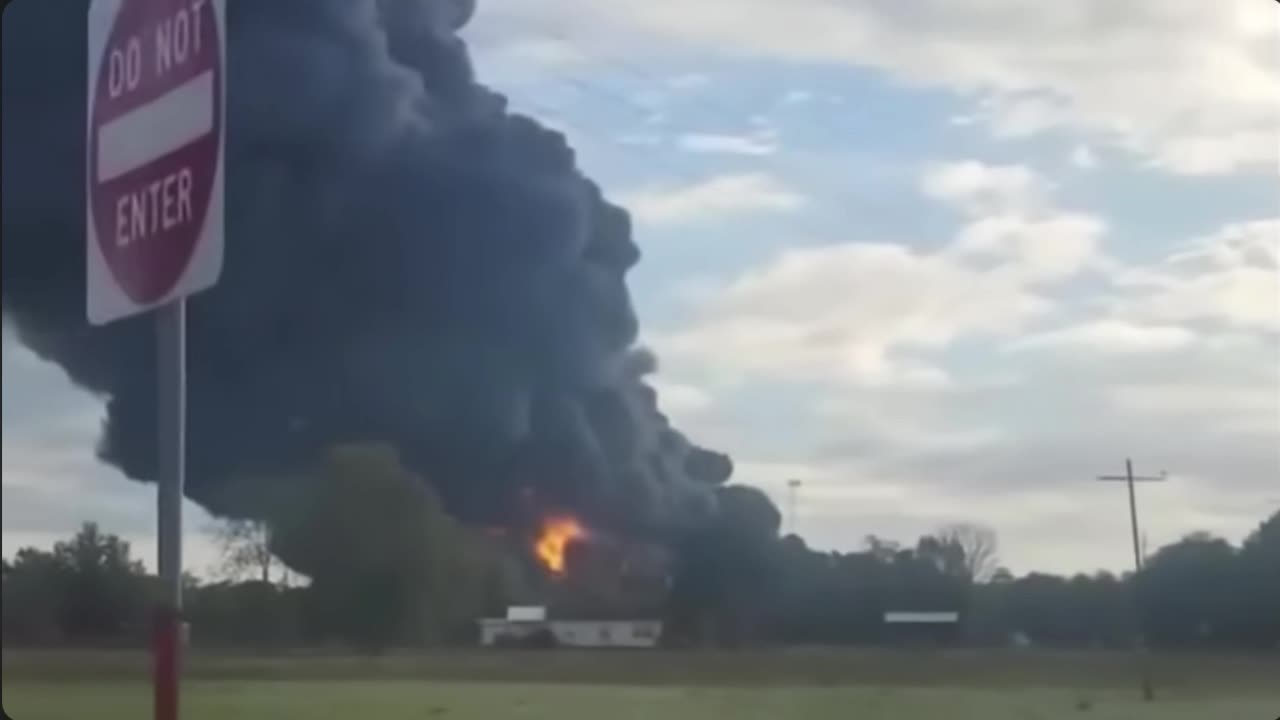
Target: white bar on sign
156,129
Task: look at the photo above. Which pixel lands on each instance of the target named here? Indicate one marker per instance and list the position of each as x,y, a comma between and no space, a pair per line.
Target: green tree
34,587
245,547
87,589
1187,591
105,594
723,582
386,563
246,614
1258,587
976,547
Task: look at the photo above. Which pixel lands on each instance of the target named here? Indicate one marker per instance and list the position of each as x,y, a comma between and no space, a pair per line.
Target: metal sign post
171,390
155,137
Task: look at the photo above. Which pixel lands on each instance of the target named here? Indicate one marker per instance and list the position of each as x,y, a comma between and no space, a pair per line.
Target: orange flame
557,533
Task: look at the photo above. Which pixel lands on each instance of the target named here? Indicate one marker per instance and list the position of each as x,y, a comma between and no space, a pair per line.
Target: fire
557,534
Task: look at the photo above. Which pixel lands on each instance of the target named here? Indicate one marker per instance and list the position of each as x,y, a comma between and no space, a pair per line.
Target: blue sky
941,261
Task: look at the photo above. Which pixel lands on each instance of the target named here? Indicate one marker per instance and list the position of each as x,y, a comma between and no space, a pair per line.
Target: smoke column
407,262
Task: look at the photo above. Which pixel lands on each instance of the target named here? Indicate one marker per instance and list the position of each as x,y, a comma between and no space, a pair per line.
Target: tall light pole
1148,693
793,492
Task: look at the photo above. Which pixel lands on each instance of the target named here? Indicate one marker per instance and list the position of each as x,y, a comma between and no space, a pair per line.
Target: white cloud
1189,85
690,81
862,313
756,144
1214,292
862,324
514,60
1229,278
1105,337
797,97
543,52
656,119
1220,154
1084,158
822,486
722,195
1049,246
645,140
893,424
978,188
1241,407
1060,429
649,100
681,400
848,312
1021,117
1014,219
1040,499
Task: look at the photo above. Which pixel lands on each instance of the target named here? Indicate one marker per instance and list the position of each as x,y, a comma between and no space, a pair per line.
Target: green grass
669,686
290,700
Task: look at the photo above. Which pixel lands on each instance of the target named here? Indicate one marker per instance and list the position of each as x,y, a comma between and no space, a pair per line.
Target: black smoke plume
407,262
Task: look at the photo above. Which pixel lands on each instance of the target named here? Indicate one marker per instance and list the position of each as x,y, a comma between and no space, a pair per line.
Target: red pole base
166,653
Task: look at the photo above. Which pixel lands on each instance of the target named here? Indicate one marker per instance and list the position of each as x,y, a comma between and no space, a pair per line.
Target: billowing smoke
407,262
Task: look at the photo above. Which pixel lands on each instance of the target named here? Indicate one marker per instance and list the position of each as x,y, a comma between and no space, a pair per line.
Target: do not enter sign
155,152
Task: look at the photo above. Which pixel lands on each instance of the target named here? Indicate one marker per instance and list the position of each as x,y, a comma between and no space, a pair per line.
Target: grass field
618,686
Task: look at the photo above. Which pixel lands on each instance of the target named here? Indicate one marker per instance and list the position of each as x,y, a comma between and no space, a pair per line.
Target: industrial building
524,623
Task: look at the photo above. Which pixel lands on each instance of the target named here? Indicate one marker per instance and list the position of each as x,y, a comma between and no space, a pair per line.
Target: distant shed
913,627
524,614
921,618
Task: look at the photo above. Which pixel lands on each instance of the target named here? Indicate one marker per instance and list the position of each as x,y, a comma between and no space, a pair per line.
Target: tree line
1198,593
380,564
739,584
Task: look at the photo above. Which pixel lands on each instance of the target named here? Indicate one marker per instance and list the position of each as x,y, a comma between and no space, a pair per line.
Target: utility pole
1148,692
793,492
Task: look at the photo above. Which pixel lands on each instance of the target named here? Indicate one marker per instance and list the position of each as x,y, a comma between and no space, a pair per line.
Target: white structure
517,614
921,618
922,628
524,622
607,633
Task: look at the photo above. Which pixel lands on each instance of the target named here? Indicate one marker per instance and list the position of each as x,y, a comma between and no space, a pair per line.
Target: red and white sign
155,152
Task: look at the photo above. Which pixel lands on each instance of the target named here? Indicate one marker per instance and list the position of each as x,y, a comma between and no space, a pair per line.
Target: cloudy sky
938,260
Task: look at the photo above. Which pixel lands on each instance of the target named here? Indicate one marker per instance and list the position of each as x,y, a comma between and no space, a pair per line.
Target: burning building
604,574
597,590
557,536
